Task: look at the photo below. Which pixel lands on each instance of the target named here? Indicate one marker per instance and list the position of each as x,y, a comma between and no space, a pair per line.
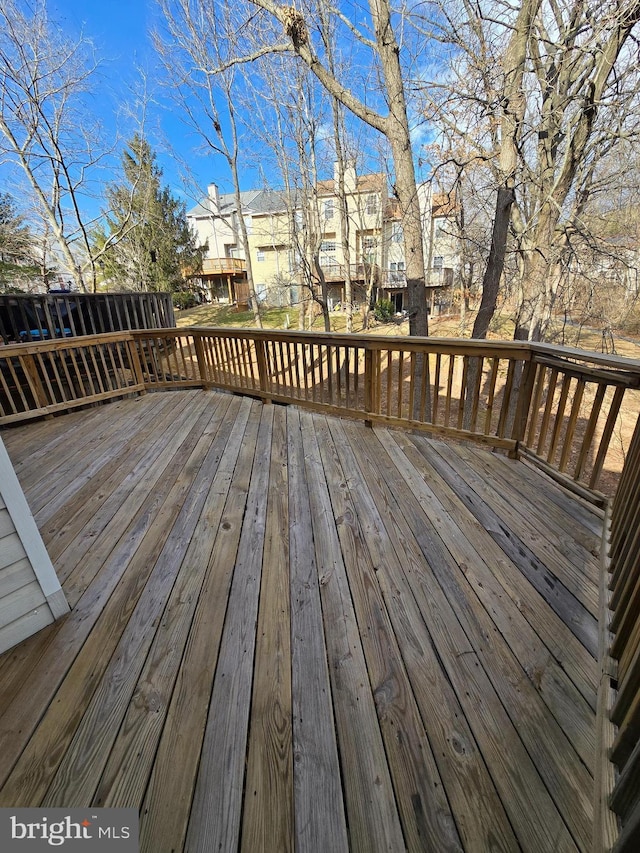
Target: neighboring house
441,245
366,196
272,229
285,237
214,221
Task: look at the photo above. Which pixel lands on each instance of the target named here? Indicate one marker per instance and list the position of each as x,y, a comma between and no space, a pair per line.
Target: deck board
310,635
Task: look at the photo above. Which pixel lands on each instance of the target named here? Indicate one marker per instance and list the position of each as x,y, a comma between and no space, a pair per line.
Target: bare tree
541,93
300,37
196,35
44,128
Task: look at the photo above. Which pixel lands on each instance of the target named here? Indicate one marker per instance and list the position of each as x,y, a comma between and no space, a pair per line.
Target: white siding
30,593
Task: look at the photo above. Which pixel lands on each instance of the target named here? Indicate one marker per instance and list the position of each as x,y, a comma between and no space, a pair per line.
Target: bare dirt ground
451,326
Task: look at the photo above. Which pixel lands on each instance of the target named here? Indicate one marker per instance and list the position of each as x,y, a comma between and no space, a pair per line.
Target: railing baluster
463,389
571,424
436,389
400,383
491,393
447,406
535,404
612,417
546,417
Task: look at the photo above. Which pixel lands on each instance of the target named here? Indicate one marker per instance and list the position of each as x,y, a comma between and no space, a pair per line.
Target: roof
253,201
443,204
376,182
227,204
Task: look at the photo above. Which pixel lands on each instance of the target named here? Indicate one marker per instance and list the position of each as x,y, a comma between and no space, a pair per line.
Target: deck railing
53,376
223,266
619,693
557,407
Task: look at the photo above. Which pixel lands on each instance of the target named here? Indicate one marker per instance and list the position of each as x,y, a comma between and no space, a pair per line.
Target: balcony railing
555,407
440,277
394,278
224,266
359,272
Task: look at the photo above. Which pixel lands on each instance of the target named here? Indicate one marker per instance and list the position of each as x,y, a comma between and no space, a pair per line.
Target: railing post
369,384
525,395
203,368
28,364
134,361
263,375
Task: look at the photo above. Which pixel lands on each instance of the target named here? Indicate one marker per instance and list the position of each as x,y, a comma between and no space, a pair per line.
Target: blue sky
120,32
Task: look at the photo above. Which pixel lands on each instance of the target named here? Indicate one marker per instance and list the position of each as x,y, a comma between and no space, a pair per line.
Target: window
396,233
328,209
372,204
438,262
260,255
328,246
396,272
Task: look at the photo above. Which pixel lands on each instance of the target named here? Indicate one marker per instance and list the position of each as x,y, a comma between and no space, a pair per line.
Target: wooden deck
290,631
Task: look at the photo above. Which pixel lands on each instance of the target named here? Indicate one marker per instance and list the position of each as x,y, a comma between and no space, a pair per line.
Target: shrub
383,310
184,299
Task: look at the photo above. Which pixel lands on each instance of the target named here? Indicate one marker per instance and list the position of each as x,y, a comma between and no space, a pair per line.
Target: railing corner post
525,395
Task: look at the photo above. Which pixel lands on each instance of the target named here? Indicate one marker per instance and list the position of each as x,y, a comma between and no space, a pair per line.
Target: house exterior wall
30,593
269,245
366,197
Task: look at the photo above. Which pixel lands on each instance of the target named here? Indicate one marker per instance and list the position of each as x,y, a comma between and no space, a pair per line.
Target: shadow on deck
292,631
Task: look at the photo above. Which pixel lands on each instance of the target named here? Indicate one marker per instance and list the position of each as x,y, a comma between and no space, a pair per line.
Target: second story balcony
363,272
224,266
394,278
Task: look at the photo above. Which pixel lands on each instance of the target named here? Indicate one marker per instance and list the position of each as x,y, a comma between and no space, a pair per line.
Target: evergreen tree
16,246
152,244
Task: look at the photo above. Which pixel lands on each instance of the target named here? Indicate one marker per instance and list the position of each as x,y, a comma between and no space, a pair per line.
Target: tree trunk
395,126
245,245
495,262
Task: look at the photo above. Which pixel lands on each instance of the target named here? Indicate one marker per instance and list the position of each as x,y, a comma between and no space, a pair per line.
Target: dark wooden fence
39,317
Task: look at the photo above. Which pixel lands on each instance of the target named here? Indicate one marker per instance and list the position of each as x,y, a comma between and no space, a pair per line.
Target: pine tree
154,245
16,247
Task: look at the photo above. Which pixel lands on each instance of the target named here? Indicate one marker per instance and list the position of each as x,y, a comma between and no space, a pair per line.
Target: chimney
214,198
349,176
